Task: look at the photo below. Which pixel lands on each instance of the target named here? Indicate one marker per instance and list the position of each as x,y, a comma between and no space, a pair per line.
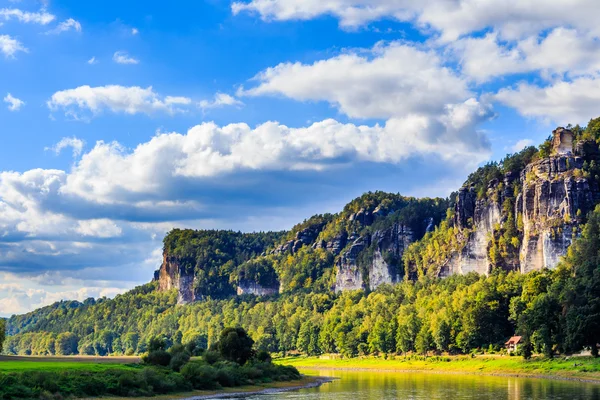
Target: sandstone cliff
547,203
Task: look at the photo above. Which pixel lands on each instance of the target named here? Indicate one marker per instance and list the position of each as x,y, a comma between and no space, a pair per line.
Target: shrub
157,357
200,376
212,357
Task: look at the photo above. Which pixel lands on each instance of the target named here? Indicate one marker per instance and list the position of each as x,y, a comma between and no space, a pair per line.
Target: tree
235,345
2,333
66,344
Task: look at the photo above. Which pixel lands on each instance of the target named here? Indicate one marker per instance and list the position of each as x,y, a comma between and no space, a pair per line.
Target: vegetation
586,368
164,372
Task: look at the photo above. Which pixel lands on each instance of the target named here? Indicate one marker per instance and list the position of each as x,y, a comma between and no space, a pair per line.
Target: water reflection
417,386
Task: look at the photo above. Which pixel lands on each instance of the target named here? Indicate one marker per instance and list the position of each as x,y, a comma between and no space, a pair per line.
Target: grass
92,364
586,368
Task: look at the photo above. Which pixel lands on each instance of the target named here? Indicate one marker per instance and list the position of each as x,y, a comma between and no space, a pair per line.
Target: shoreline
456,372
318,381
585,370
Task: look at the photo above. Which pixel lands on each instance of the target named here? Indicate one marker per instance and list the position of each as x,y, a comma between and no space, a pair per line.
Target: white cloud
128,100
42,17
122,57
453,19
562,102
10,46
74,143
66,26
220,100
521,144
134,31
561,51
386,81
93,61
14,104
101,228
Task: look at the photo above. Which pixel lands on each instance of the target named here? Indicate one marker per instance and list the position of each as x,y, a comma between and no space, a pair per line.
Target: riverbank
584,369
306,382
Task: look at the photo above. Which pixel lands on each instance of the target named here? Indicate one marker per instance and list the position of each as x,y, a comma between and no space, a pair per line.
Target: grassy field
585,368
18,364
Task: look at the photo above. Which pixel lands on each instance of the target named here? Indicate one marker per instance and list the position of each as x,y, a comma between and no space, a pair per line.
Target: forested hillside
387,274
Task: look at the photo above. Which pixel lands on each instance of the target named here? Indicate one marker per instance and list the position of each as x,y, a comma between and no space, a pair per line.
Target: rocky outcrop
251,287
374,270
554,197
172,276
554,201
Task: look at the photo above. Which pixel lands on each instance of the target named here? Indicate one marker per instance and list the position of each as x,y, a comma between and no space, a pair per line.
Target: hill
388,273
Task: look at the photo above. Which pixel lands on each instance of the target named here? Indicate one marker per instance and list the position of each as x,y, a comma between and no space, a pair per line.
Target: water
417,386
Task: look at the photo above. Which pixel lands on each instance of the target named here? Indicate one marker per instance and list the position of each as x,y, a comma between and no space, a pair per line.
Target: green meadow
585,368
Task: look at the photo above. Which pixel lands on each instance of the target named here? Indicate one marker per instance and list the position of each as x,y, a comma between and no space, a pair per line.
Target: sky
120,120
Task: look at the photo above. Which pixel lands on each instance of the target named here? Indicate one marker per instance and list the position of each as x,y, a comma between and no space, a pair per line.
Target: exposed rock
392,241
552,204
251,287
349,276
171,275
336,244
562,141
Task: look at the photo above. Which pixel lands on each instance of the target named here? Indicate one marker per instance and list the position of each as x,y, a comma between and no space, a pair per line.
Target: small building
562,141
513,343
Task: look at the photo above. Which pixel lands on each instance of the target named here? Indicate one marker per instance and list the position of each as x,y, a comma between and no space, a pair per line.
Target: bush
212,357
263,356
158,357
200,376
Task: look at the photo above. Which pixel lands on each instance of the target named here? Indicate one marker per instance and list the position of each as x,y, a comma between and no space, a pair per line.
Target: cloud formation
42,17
388,80
10,46
114,98
220,100
562,102
65,26
74,143
122,57
14,104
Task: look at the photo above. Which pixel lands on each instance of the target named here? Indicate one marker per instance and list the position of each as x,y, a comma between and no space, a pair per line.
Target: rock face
553,203
171,275
553,199
251,287
391,242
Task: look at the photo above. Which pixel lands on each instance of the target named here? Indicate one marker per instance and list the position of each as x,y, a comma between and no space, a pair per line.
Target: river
353,385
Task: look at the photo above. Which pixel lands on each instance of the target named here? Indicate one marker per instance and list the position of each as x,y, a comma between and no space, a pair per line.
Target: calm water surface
387,386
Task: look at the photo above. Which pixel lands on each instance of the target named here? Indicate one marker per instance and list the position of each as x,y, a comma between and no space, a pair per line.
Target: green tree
235,345
2,333
66,344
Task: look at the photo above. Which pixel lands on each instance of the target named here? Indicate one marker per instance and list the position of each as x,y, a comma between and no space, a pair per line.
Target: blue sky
121,120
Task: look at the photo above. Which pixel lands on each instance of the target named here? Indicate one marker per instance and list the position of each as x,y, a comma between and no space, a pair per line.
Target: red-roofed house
513,343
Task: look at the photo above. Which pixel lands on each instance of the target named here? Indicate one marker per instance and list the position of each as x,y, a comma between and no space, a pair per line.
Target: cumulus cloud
10,46
14,104
93,61
122,57
114,98
65,26
42,17
452,19
386,81
74,143
220,100
102,228
561,51
134,31
563,102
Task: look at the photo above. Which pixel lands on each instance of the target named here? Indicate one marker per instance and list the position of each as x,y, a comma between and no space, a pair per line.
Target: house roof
514,340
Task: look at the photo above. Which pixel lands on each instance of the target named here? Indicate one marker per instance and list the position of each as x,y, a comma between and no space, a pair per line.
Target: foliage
235,345
2,333
214,255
